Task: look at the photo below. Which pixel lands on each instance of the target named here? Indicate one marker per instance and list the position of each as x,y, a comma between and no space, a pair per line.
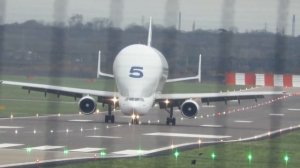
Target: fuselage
140,72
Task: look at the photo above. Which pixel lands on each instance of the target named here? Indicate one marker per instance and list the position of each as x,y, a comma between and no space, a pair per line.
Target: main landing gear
171,119
109,117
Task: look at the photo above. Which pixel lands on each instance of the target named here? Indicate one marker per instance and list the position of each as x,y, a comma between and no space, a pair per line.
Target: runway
38,139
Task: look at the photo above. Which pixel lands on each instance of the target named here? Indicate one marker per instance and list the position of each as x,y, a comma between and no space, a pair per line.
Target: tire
173,121
136,121
168,121
112,119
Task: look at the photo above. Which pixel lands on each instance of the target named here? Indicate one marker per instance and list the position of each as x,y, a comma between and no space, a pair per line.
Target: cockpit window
134,99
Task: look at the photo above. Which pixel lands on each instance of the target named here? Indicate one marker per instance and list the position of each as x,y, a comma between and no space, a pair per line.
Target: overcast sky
208,14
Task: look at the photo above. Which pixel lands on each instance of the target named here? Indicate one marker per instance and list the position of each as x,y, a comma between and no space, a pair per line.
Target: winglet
199,68
99,64
150,32
99,73
198,76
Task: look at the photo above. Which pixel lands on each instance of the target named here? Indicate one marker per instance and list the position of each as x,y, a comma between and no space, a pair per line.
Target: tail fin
150,32
99,73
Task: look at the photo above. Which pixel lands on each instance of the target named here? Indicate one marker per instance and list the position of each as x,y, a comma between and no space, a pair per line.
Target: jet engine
189,108
87,105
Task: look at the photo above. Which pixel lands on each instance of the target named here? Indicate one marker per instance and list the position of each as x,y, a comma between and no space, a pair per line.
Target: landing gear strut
109,117
171,119
135,119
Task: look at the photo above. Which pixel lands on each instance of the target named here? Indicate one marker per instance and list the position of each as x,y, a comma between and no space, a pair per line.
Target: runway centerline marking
293,109
243,121
7,145
212,126
108,137
274,114
188,135
10,127
81,120
46,147
87,149
130,152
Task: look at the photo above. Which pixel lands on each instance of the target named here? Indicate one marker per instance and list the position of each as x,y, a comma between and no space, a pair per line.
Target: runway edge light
176,154
286,158
28,150
66,151
213,156
249,157
102,153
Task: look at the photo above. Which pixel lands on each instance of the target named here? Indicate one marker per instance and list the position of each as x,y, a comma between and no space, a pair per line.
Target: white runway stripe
130,152
46,147
109,137
273,114
81,120
10,127
188,135
87,150
212,126
294,109
7,145
243,121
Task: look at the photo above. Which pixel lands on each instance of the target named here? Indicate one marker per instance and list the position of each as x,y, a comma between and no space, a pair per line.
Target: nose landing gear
135,119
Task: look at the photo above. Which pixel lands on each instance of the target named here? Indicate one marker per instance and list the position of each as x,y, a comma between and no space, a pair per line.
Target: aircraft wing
224,96
60,90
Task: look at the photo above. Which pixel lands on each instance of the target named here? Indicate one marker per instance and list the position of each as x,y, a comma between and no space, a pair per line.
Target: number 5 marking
136,72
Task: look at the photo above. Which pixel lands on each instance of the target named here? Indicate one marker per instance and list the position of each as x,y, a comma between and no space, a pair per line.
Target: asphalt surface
39,139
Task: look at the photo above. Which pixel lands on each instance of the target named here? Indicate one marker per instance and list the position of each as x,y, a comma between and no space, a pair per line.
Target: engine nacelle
87,105
189,108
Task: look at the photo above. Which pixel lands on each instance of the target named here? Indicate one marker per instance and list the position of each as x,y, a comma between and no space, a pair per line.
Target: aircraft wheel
112,119
173,121
135,121
109,118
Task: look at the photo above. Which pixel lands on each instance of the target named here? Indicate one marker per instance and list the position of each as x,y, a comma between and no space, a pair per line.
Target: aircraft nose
134,106
137,108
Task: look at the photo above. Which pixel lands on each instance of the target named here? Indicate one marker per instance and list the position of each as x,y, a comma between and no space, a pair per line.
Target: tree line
37,48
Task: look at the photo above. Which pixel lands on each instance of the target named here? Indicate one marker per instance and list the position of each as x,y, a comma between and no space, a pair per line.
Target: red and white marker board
266,79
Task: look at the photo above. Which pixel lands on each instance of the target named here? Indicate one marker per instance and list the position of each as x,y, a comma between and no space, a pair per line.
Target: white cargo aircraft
140,72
